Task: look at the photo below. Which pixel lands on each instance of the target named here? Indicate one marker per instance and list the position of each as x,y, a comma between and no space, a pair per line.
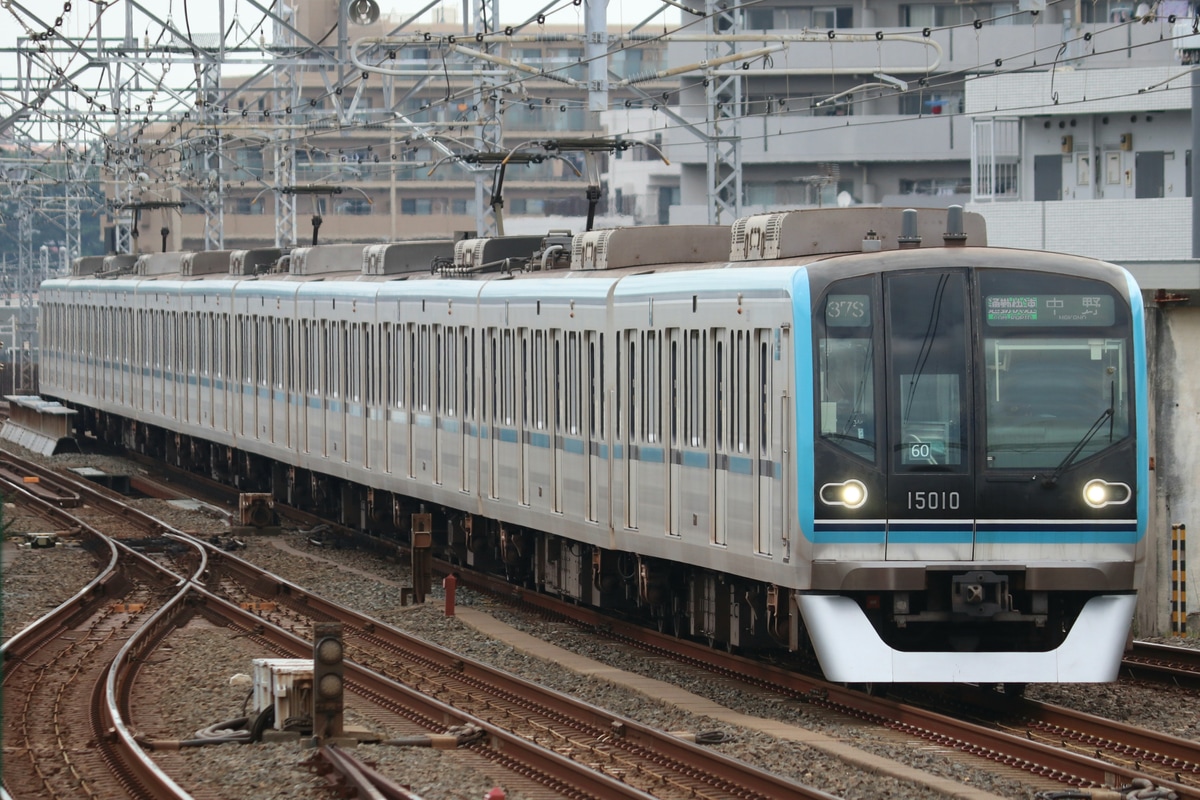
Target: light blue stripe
651,455
539,439
1058,537
803,400
691,458
929,537
741,466
847,537
574,446
1141,405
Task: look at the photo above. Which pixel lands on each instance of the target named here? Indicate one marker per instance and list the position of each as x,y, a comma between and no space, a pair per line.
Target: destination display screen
1049,309
848,311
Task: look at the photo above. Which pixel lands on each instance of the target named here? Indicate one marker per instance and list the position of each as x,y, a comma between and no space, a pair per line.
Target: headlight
851,494
1099,493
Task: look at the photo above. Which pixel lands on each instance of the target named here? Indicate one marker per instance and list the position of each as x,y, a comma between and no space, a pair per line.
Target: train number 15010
933,501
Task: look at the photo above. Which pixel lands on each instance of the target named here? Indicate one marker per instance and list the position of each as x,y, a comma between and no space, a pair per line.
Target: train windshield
846,367
928,340
1056,362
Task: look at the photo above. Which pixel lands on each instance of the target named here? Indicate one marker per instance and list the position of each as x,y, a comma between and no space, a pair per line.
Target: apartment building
406,157
928,104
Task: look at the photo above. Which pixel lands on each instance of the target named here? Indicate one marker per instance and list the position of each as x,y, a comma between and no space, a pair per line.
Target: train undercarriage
720,609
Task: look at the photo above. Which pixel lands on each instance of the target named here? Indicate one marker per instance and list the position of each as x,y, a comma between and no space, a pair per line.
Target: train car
858,432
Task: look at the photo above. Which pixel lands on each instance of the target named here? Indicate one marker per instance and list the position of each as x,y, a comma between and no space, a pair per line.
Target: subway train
859,434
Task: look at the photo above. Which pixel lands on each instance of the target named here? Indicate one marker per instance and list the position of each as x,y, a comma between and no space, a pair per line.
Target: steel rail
128,765
631,735
498,744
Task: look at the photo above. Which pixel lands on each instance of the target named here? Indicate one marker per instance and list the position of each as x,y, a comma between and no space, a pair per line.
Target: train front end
976,499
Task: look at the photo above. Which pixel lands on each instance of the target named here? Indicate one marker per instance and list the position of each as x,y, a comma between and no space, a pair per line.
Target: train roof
791,237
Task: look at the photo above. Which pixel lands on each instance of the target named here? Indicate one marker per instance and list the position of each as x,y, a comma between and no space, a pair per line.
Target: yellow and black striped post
1179,580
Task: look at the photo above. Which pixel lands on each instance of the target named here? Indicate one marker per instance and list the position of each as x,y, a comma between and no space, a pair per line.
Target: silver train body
924,460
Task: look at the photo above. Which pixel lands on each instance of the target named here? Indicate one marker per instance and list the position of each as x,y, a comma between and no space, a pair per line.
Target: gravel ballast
190,685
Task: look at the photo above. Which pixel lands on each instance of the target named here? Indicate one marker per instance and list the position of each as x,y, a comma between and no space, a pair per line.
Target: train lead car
857,431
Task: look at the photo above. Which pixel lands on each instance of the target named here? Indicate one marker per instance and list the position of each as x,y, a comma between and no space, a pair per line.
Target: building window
527,205
917,103
357,206
247,205
567,62
833,17
935,15
936,186
759,19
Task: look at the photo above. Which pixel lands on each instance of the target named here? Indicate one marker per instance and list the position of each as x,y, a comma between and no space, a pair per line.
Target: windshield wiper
1107,414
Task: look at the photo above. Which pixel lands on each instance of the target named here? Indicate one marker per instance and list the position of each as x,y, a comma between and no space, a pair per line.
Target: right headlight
1099,493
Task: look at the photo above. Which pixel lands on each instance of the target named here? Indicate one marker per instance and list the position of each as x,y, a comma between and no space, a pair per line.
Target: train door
494,390
172,366
204,347
423,411
719,345
355,449
281,384
930,494
140,358
325,377
185,379
446,406
234,377
145,381
237,376
389,373
534,436
332,358
675,444
217,409
154,363
770,377
557,409
596,426
161,355
741,489
631,420
467,415
691,462
268,370
306,383
345,353
97,343
372,438
412,360
571,451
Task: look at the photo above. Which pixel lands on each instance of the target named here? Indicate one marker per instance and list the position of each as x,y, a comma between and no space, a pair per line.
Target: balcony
808,139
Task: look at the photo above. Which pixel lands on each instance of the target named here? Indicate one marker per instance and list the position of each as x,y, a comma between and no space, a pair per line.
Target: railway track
1164,663
67,679
1047,742
576,750
650,760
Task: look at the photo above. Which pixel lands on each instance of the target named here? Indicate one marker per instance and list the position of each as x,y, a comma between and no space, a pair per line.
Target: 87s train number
934,501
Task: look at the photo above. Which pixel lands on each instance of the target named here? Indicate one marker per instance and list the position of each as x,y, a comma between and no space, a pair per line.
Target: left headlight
851,494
